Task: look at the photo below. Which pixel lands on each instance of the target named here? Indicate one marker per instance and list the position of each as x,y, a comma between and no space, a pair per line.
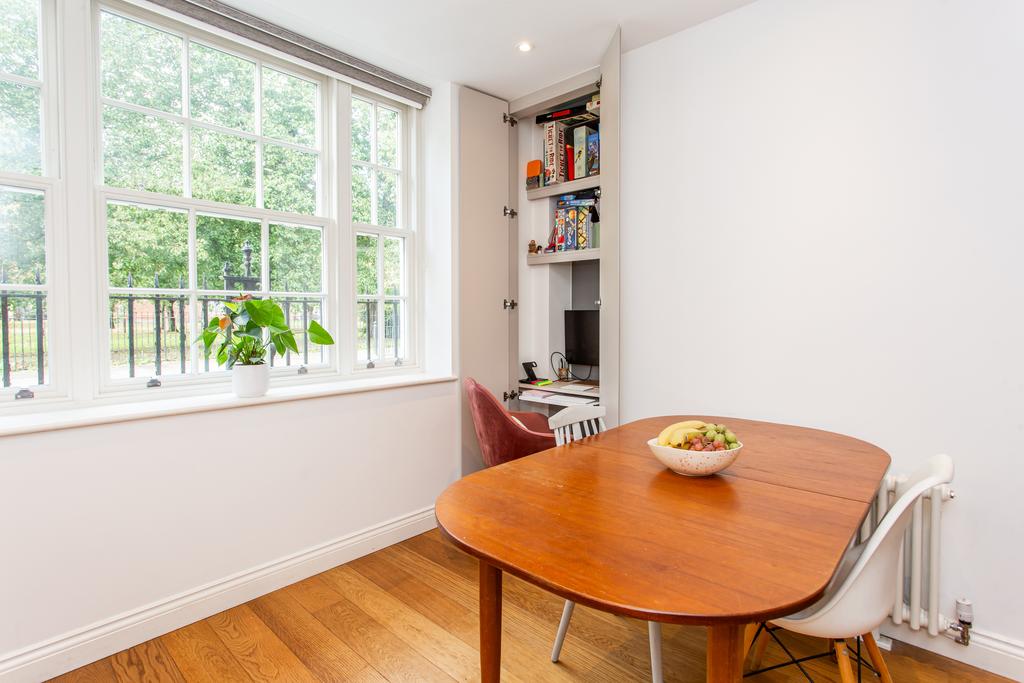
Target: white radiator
920,560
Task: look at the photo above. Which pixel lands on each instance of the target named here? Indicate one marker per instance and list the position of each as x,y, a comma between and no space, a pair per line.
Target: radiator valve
964,620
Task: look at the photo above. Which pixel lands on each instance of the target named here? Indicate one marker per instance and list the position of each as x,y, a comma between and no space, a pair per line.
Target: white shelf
573,388
563,257
567,187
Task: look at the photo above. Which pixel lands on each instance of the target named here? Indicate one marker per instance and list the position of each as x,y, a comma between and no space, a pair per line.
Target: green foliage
220,240
223,167
289,180
223,88
289,108
141,152
20,150
295,259
22,236
248,327
140,64
19,37
146,243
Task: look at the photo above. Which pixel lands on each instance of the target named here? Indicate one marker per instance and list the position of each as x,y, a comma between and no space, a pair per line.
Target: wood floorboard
409,613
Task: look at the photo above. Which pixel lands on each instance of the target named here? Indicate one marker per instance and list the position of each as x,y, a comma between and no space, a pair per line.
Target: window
26,188
183,168
211,166
382,234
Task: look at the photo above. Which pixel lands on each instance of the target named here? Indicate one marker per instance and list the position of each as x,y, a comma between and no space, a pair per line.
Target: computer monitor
582,337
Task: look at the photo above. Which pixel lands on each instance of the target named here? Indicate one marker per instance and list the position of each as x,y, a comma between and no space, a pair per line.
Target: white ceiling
473,41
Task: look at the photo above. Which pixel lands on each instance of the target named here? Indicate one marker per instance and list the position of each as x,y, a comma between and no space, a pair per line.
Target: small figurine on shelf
533,247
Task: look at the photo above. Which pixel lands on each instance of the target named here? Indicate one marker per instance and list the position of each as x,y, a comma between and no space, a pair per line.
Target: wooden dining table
603,523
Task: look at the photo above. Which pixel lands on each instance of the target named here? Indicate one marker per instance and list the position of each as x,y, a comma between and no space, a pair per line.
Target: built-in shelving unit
567,187
563,257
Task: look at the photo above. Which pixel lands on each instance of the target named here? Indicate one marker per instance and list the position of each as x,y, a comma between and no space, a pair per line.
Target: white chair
861,594
572,424
576,422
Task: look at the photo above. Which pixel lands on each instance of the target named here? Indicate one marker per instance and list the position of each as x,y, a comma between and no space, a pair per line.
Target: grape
719,438
733,445
720,428
729,436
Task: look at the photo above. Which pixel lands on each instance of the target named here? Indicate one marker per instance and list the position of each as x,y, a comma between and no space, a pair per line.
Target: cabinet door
483,253
610,231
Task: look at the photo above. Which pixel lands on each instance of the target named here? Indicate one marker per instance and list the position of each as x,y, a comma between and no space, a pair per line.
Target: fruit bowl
693,463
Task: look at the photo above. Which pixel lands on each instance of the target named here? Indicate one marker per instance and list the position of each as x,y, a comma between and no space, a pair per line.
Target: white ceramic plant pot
250,381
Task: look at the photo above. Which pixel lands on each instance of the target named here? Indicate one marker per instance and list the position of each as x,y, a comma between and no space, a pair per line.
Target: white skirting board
72,650
988,651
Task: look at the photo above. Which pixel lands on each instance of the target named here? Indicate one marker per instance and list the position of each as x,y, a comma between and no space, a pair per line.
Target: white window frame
77,288
50,183
328,226
406,229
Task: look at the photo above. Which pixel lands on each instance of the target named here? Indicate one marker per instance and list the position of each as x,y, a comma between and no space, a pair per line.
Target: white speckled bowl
693,463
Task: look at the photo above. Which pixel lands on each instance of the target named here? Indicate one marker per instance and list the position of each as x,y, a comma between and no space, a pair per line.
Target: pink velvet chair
505,435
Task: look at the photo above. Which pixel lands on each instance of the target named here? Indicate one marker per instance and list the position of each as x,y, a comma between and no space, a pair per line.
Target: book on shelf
593,153
570,168
580,135
570,116
570,228
555,163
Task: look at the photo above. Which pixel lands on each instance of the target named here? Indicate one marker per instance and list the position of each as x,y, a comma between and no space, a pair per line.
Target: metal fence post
39,332
181,324
305,333
131,329
288,323
5,340
156,329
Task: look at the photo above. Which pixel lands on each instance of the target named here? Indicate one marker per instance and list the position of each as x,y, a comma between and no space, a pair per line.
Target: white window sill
140,410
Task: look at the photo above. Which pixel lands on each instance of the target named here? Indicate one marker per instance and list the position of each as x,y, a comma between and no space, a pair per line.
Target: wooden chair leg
759,648
876,657
843,657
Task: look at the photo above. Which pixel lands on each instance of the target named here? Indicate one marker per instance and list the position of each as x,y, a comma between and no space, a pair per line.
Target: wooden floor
409,613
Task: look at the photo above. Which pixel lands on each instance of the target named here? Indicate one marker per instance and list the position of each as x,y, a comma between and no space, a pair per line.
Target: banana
667,431
680,435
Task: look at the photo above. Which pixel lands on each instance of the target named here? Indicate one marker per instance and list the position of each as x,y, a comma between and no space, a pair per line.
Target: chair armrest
535,422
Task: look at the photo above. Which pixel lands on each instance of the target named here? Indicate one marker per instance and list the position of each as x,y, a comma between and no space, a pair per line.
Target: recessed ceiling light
524,46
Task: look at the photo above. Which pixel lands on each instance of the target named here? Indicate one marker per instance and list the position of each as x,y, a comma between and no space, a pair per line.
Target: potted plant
242,335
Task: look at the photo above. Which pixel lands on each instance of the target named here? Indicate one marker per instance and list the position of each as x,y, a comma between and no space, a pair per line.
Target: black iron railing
22,336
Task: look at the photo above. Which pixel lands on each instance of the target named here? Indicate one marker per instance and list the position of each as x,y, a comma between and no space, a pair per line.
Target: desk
603,523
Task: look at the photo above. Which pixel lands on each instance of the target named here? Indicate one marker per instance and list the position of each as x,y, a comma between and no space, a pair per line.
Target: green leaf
318,335
289,341
209,337
266,313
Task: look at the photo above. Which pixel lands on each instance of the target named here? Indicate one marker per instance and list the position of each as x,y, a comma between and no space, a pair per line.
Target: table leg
490,623
725,653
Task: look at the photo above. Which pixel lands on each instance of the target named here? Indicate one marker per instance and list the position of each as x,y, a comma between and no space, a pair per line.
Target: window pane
147,245
366,264
223,167
361,194
387,199
223,88
387,137
19,37
300,312
393,248
394,334
362,115
140,64
152,338
366,331
141,152
296,259
289,108
227,243
27,340
19,129
289,180
22,236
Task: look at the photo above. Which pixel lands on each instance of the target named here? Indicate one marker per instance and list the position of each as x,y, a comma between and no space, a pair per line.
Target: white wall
100,523
113,534
823,225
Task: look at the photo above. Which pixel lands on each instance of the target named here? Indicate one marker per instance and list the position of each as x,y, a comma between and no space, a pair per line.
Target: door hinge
599,80
509,395
509,303
511,213
505,118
